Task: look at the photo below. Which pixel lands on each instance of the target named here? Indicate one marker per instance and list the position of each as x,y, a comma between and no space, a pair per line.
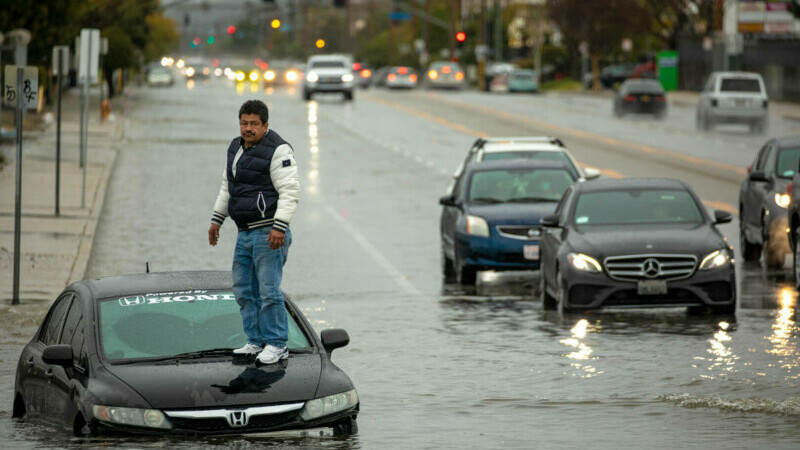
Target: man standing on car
260,190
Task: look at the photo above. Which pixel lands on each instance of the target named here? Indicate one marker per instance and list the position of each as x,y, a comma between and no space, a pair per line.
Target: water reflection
785,333
722,360
313,141
581,351
190,84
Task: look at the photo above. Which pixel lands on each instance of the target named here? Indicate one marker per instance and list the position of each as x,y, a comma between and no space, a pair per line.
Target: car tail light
660,98
630,98
433,75
413,78
391,77
459,76
356,66
713,102
366,73
446,69
402,70
749,168
789,190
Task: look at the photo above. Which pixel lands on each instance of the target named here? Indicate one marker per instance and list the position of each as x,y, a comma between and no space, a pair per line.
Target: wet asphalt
438,366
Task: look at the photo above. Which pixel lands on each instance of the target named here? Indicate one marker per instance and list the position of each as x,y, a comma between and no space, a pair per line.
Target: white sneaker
248,349
272,354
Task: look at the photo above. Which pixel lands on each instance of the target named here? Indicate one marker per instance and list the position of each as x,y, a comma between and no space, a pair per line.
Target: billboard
766,17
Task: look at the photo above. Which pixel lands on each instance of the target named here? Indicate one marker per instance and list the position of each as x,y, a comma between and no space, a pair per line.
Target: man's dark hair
255,107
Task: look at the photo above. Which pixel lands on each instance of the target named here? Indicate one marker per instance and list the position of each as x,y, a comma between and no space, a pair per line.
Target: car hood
221,382
327,72
601,241
513,213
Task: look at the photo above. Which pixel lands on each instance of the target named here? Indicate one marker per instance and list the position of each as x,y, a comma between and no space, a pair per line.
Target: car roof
141,283
610,184
788,141
520,139
510,164
738,74
521,147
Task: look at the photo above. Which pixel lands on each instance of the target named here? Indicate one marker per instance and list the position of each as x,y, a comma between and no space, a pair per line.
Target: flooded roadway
435,366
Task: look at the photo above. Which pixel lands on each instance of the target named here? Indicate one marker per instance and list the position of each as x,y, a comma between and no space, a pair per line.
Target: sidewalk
55,250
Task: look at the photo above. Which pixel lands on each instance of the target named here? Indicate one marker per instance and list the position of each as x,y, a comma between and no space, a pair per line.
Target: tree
673,17
600,23
162,35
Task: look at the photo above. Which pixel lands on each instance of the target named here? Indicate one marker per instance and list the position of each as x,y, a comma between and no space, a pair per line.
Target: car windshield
159,71
327,65
531,154
740,85
639,206
164,324
642,87
788,160
519,185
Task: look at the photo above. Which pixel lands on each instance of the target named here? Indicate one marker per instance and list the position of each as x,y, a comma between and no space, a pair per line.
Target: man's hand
275,239
213,234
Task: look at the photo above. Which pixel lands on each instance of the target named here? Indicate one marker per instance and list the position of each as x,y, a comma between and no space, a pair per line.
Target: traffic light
276,23
461,37
210,40
231,29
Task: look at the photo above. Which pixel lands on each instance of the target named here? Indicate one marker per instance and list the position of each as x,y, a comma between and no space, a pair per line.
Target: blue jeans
257,274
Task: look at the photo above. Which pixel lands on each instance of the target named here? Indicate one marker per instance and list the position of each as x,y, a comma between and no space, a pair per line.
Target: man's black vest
253,198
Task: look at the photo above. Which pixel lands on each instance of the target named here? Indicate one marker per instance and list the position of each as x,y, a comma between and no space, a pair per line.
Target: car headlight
331,404
782,200
150,418
348,77
715,259
312,77
269,75
477,226
584,263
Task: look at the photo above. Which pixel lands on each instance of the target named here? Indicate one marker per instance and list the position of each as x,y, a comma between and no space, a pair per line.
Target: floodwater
435,366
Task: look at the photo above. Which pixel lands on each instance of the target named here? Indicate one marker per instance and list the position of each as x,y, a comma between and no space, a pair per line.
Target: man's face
251,128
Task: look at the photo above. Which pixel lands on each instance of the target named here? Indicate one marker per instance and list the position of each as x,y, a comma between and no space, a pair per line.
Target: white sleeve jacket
286,181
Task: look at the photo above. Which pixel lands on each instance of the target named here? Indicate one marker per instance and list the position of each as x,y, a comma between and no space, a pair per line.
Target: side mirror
58,355
448,200
550,221
334,338
722,216
758,176
590,173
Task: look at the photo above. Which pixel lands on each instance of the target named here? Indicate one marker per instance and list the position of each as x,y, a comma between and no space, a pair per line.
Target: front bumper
712,288
328,87
495,252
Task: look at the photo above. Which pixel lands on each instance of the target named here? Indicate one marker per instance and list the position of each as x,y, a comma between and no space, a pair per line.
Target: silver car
733,97
329,73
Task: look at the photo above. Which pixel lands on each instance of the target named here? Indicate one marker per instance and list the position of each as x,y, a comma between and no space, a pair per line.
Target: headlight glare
584,263
348,77
312,77
331,404
477,226
782,200
150,418
715,259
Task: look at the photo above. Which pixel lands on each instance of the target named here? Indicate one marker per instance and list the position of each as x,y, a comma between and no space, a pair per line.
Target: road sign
399,15
64,50
89,55
30,87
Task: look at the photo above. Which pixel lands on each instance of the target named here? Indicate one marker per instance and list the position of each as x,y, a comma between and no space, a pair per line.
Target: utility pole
482,55
454,13
498,25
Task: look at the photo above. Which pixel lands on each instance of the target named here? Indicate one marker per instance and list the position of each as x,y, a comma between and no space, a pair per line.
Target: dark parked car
490,221
763,202
151,353
635,243
611,75
640,97
793,211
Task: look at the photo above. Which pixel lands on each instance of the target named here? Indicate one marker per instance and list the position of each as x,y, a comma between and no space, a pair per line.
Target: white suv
329,73
733,97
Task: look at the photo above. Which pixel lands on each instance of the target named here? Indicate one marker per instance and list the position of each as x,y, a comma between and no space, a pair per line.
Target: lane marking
611,173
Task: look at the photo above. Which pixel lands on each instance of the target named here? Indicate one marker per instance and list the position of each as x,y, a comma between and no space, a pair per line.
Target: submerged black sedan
640,96
151,353
635,243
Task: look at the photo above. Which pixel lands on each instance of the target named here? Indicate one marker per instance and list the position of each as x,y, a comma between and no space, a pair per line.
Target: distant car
495,70
543,148
523,80
793,211
151,353
765,204
490,221
379,77
329,73
363,75
611,75
401,77
635,243
445,75
160,76
640,96
733,97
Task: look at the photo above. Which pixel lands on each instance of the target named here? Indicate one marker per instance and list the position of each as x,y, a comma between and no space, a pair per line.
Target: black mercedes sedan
635,243
640,96
151,353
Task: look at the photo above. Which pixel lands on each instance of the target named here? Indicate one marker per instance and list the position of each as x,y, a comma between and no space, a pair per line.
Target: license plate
652,287
531,252
645,98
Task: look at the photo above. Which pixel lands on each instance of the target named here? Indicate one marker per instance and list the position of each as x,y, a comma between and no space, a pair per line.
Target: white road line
398,276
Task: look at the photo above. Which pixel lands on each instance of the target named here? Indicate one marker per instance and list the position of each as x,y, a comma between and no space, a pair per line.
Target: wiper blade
202,353
532,199
486,200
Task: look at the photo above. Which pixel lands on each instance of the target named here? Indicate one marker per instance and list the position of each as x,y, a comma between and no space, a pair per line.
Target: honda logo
237,419
651,268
